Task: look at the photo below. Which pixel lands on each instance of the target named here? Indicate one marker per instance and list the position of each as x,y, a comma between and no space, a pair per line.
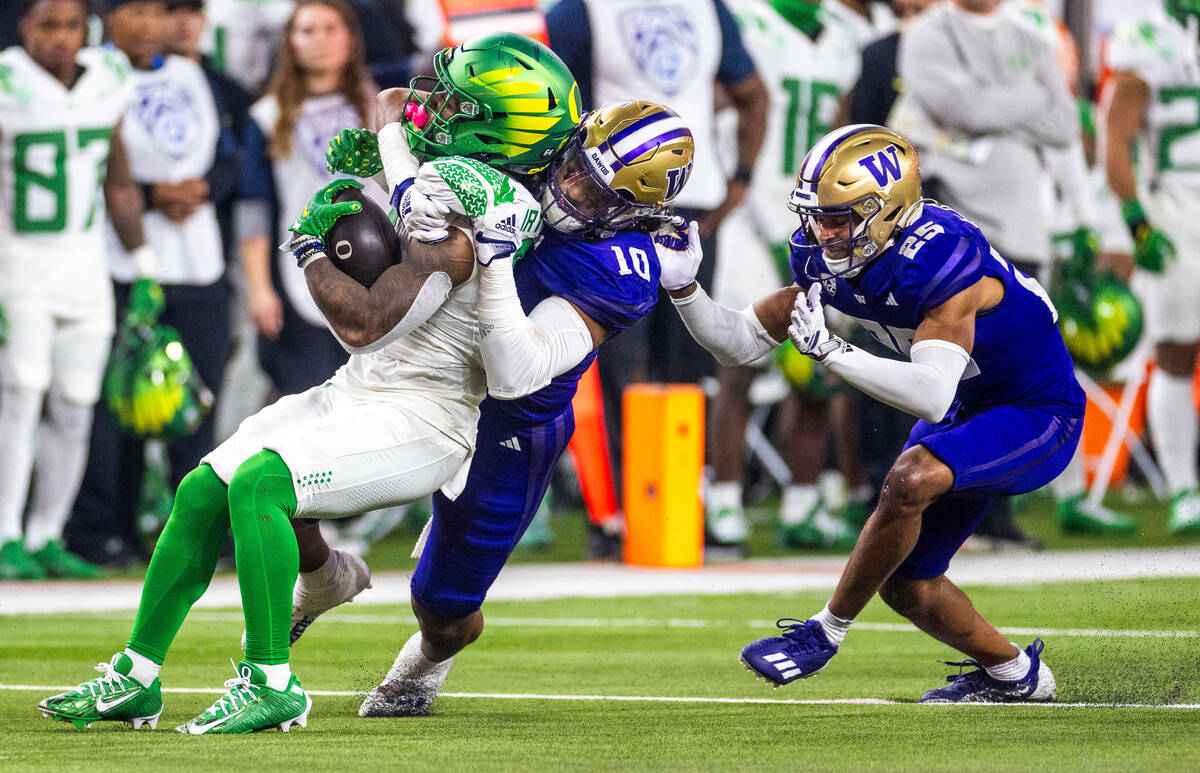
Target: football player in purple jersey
594,274
988,376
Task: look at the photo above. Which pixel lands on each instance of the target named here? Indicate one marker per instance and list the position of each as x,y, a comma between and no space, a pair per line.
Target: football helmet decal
502,98
1100,319
626,162
852,193
151,387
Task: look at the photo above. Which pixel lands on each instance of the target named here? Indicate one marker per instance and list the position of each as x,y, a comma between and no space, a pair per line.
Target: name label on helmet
884,166
597,160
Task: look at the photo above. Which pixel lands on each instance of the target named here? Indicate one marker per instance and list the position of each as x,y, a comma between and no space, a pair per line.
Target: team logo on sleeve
883,165
664,44
168,115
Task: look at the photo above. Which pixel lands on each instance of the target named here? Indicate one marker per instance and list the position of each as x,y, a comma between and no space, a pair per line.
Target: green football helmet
804,373
502,98
151,387
1101,322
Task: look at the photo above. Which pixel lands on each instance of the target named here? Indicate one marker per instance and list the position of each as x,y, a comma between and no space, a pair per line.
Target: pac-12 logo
664,42
883,165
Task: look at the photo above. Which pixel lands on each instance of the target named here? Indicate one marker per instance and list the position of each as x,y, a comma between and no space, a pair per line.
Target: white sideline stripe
658,699
528,582
596,622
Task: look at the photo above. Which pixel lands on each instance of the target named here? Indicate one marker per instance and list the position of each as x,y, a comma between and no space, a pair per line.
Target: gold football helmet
626,162
856,183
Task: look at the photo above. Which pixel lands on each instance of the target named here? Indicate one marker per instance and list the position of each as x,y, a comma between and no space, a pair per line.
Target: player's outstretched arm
924,387
402,298
734,337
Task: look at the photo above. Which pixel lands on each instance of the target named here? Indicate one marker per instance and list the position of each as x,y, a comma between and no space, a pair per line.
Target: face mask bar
435,109
860,249
576,200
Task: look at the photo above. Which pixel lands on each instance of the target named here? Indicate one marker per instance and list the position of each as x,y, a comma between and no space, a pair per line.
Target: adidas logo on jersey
512,443
891,301
508,225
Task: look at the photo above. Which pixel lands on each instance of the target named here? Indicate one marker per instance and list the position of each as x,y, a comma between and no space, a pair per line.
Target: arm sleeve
924,387
735,64
570,33
522,354
933,75
733,337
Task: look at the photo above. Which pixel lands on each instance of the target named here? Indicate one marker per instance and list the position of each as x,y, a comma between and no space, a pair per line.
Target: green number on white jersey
810,110
40,184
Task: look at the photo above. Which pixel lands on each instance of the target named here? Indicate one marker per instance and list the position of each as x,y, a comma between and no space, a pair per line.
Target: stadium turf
1109,642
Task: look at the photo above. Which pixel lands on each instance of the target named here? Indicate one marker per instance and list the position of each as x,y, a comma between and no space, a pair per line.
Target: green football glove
1152,249
146,302
321,212
354,151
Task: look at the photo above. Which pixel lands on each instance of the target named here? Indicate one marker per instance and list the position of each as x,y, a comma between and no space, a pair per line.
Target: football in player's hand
365,244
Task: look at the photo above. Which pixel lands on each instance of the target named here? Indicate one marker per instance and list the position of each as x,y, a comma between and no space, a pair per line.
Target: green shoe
1076,515
250,706
820,529
16,564
1185,513
58,562
726,526
112,697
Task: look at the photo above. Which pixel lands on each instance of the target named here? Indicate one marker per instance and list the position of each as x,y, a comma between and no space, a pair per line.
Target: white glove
679,253
497,232
424,218
808,331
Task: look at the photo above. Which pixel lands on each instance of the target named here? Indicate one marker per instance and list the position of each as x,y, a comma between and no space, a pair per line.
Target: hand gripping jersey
53,153
807,79
439,364
1162,53
614,281
1018,355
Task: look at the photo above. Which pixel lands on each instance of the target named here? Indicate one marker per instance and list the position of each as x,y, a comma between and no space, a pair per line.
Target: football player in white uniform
394,424
809,59
1155,105
62,165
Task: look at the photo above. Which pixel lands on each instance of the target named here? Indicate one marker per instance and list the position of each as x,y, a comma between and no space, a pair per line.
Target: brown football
365,244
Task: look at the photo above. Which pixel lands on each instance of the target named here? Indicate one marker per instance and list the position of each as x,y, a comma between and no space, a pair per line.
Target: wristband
306,249
145,262
743,173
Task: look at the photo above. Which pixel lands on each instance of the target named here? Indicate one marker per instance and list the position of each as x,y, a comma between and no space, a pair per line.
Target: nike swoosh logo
209,726
103,705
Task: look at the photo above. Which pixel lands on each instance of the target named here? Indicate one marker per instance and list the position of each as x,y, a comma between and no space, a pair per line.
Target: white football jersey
439,363
245,36
806,79
54,146
302,174
1162,53
170,131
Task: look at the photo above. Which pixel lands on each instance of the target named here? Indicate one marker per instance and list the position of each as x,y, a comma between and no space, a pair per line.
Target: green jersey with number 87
54,146
1163,54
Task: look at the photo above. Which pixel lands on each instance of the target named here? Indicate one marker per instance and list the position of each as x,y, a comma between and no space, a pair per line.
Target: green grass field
658,647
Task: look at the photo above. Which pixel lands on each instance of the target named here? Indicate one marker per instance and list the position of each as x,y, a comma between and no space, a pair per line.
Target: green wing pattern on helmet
151,387
1101,322
516,103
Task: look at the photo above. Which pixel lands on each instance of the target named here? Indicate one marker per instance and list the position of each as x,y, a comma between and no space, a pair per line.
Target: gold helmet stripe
816,158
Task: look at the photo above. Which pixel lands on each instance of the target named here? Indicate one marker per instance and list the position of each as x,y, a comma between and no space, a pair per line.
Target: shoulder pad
476,184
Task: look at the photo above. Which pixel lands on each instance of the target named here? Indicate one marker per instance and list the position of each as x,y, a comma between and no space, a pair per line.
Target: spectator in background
319,87
880,84
178,155
984,97
671,52
809,59
186,22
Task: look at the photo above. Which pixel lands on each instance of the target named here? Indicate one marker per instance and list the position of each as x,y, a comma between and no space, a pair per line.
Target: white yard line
654,699
521,582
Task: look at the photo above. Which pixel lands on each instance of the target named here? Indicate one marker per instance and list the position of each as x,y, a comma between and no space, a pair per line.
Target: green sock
183,562
262,501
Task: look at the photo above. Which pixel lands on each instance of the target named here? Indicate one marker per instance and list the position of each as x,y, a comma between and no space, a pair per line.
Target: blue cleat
802,651
977,687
